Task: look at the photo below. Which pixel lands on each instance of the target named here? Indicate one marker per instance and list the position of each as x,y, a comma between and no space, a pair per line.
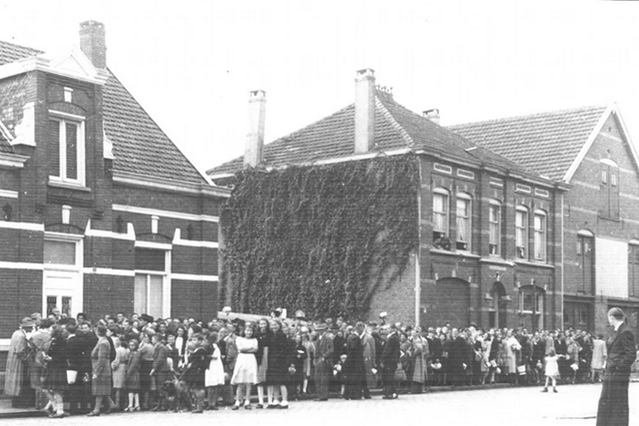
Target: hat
27,322
321,327
300,315
146,317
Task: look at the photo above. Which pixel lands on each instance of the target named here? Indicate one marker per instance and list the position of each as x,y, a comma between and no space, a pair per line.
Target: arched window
521,232
494,228
441,203
464,222
540,235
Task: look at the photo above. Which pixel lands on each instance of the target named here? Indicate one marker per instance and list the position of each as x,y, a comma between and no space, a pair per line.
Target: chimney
432,115
255,138
92,42
364,110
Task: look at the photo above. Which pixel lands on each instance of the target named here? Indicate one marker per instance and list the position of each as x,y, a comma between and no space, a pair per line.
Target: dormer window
67,150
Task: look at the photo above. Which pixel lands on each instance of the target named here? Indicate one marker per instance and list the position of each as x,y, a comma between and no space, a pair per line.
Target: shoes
555,390
198,411
136,408
59,415
283,407
368,397
93,414
248,407
321,399
235,407
128,409
259,406
545,390
271,406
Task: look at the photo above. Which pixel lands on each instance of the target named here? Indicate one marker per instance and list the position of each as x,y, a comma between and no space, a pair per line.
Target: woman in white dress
245,371
214,375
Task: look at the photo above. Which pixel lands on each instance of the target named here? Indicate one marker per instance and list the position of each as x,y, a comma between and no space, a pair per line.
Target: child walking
552,370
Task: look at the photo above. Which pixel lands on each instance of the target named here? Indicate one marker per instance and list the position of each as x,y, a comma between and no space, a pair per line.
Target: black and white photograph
319,212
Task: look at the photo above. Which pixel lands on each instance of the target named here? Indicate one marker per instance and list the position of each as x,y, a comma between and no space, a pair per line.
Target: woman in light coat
599,355
101,383
418,355
119,368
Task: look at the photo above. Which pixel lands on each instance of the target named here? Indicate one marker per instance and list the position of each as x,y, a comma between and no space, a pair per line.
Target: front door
62,290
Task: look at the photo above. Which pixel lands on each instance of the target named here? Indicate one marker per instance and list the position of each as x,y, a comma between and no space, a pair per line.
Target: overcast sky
191,63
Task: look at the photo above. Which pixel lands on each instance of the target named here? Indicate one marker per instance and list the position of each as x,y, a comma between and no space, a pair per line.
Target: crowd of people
136,363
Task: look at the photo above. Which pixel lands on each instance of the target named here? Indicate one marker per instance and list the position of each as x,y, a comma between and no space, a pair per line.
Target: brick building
102,213
589,150
489,228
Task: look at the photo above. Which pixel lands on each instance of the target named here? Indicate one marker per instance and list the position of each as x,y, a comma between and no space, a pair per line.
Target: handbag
400,374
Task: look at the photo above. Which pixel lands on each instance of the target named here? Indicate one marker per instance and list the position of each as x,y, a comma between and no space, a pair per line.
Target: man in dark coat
354,367
457,358
388,362
323,362
613,403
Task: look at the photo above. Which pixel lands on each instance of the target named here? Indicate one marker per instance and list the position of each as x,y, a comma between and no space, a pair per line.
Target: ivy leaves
320,238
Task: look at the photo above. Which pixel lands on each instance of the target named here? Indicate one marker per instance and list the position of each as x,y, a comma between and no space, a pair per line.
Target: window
609,189
633,268
151,294
494,228
540,235
59,252
464,212
521,232
67,154
586,260
440,219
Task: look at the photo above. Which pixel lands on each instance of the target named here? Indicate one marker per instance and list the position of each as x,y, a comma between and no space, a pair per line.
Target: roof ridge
409,140
536,114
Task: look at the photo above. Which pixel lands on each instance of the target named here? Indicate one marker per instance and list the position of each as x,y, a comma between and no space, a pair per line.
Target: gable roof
140,147
549,142
396,128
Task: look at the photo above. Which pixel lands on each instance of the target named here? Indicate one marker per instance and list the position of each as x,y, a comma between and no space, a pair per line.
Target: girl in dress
214,376
132,378
552,369
119,369
245,371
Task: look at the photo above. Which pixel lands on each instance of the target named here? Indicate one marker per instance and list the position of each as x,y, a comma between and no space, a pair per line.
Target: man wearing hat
613,403
16,377
323,361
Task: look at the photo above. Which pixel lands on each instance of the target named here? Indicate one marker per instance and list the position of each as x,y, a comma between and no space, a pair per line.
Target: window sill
68,185
454,253
496,260
536,264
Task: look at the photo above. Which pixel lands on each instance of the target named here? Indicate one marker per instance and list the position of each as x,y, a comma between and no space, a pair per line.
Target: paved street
572,406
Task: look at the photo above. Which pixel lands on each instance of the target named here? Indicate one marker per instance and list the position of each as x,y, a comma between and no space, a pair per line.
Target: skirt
261,369
214,375
101,386
55,379
245,369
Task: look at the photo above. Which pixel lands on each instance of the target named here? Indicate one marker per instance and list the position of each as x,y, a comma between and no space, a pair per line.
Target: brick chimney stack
93,42
364,110
253,150
432,115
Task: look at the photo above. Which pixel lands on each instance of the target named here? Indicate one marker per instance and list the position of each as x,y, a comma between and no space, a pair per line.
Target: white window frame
166,276
494,228
445,215
540,240
468,220
521,233
63,119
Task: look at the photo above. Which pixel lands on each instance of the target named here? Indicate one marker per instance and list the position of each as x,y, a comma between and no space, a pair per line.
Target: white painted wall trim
109,271
25,226
152,245
191,277
178,241
22,265
129,236
166,213
4,344
7,193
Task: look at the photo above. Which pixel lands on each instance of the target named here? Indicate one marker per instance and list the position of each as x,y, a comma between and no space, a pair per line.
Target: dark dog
175,396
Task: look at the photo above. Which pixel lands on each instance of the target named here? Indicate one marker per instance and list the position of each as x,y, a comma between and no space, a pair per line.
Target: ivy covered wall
319,238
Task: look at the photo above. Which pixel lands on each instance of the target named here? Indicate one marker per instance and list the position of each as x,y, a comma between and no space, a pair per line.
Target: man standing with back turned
613,403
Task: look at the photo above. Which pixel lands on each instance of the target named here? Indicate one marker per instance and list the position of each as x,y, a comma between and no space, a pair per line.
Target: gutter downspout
418,280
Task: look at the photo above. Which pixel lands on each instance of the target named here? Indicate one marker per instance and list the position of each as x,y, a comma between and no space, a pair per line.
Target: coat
354,365
599,353
119,367
132,380
323,363
279,354
101,365
16,363
55,378
613,407
161,370
418,354
370,355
